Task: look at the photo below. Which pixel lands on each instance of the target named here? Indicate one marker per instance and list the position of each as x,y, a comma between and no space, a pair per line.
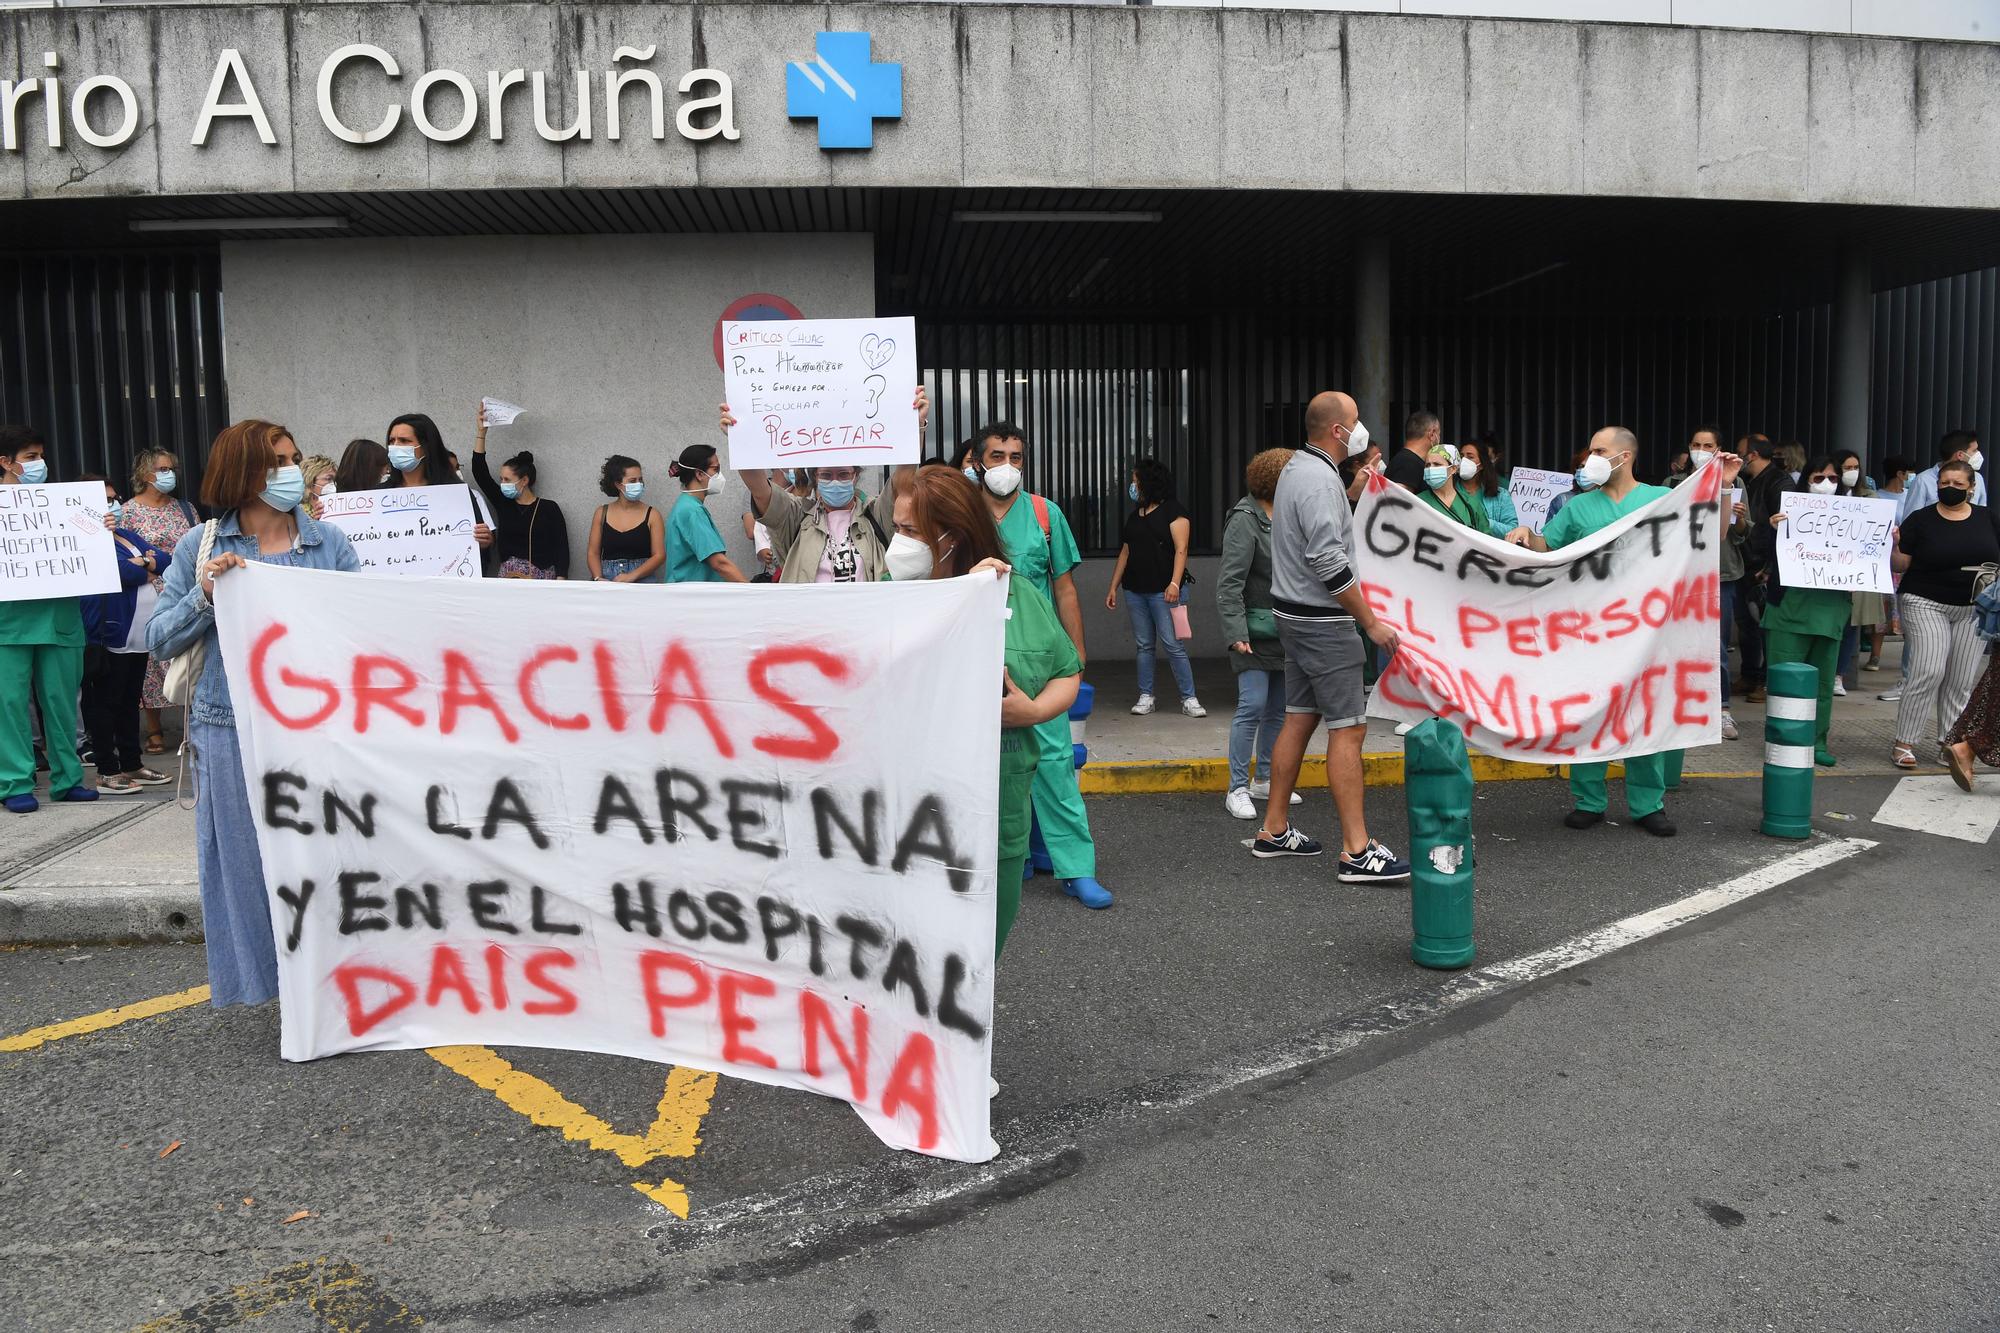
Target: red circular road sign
757,305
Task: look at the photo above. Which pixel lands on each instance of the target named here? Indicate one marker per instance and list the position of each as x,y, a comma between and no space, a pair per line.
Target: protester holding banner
1355,471
112,673
1042,550
628,538
1479,477
364,466
531,539
253,484
418,457
1443,493
1613,492
1805,624
161,517
1318,602
694,545
834,533
41,662
946,533
1937,550
1250,628
1704,447
1152,564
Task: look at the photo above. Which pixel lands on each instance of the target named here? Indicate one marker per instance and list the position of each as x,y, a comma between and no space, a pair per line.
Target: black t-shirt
1150,540
1406,469
1939,550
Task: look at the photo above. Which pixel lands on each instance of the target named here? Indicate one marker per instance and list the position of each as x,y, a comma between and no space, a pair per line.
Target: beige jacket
799,535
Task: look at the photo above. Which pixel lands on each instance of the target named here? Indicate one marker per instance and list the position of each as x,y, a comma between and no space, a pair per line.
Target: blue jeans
1153,627
1728,619
1260,712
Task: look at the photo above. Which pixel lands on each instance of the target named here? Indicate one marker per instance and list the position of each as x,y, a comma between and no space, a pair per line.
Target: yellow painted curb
1144,777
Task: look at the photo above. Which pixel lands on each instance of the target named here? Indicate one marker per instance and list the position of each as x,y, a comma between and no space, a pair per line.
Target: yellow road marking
675,1131
108,1018
345,1299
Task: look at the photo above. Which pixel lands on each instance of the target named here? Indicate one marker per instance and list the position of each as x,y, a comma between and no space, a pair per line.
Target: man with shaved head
1318,604
1614,452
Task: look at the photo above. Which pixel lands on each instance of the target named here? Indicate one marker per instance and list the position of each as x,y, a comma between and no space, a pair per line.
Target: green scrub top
1821,612
1461,509
691,540
1042,559
1038,651
1593,511
56,621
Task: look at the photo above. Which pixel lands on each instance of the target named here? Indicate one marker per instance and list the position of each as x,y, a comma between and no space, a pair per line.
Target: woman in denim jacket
254,484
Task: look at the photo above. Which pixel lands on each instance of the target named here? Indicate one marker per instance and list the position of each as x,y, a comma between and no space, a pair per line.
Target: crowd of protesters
1304,646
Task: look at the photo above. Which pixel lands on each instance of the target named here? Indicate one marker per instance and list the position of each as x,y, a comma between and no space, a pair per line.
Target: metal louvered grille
110,353
1937,364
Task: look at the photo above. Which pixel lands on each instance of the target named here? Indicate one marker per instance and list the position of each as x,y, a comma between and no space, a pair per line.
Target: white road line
824,1197
1936,805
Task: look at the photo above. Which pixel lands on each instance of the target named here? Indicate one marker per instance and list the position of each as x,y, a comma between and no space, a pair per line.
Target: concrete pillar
1372,386
1853,360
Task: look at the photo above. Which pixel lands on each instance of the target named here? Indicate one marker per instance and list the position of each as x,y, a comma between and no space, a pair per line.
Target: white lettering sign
1835,541
411,532
815,392
53,542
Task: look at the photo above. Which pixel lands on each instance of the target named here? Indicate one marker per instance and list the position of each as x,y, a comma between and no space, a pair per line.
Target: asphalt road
1657,1139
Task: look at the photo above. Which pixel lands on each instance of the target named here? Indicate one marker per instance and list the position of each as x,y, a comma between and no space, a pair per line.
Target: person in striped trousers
1937,550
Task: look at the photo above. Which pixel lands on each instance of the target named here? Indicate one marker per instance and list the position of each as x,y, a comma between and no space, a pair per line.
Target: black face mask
1952,496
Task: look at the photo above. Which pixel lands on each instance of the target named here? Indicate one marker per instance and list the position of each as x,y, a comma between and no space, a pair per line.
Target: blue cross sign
844,90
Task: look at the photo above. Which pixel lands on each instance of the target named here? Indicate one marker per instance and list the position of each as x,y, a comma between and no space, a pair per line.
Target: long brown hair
239,463
951,514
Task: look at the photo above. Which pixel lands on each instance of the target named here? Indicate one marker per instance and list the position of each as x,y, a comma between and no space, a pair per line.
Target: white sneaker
1729,732
1405,728
1261,791
1839,687
1191,706
1144,706
1238,804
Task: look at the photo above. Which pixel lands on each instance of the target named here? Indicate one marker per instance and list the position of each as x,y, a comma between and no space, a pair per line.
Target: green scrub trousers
1017,814
51,674
1823,655
1059,804
1645,785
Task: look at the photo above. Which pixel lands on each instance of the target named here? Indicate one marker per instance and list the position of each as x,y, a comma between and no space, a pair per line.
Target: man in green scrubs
1042,549
41,658
1613,452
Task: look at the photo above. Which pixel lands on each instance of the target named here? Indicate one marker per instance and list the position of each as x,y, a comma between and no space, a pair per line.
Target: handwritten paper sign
747,834
1533,489
814,392
1602,650
1835,541
411,532
500,412
53,542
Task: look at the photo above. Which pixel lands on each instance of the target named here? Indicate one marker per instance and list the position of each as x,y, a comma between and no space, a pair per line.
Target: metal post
1373,384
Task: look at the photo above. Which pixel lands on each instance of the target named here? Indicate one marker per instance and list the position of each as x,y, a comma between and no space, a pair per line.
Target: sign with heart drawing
818,392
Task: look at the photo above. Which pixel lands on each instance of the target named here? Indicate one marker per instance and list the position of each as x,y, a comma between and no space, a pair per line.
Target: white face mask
1467,469
1976,459
1357,439
908,559
1004,480
715,483
1850,476
1823,485
1598,469
1699,459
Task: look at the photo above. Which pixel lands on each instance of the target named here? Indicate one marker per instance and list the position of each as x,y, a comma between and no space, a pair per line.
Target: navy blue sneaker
1289,843
1373,864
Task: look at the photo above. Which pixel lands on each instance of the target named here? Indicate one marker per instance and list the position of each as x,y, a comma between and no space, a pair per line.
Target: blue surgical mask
791,476
971,474
163,482
35,471
1584,482
836,494
1132,491
510,490
634,489
1436,476
403,457
117,511
284,487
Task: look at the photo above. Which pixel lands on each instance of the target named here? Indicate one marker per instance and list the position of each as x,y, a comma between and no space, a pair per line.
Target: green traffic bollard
1791,710
1437,789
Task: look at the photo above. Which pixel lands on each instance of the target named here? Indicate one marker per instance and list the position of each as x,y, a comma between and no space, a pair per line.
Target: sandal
147,777
116,785
156,743
1902,756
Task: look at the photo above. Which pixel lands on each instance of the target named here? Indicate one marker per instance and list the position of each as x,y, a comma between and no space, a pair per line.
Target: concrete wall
605,340
1027,95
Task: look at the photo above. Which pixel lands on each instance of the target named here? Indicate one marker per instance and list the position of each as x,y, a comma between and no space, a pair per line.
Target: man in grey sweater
1318,603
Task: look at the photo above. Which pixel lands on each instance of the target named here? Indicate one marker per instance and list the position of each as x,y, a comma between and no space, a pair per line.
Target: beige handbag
184,669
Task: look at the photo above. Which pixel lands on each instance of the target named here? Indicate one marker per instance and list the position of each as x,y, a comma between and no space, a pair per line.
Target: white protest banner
411,532
500,412
1533,489
1838,542
53,542
753,834
815,392
1602,650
